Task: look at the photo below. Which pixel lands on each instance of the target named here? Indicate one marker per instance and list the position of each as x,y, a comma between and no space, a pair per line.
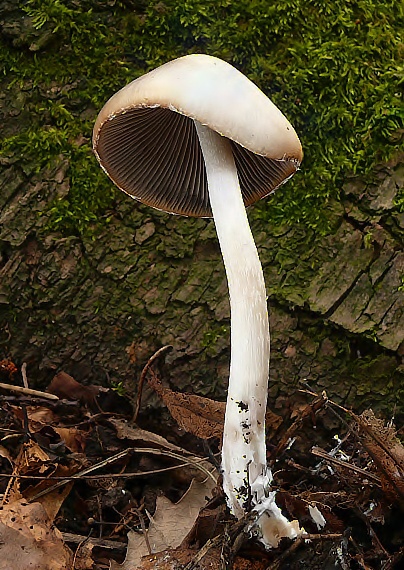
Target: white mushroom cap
146,141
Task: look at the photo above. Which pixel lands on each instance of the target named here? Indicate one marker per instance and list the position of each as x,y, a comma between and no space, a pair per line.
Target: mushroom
196,137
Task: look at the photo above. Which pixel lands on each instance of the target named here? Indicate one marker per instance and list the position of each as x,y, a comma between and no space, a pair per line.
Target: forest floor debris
84,487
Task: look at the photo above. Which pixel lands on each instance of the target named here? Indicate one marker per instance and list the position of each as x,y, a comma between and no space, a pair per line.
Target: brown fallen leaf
42,422
30,457
196,468
168,527
7,367
200,416
53,500
73,438
29,539
33,460
4,453
65,386
133,433
96,398
39,416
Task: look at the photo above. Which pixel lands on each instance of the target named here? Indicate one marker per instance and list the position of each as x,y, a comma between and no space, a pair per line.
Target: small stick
236,533
108,544
78,475
143,377
144,530
9,485
318,452
128,475
276,564
99,505
211,543
375,539
28,391
315,406
24,375
393,561
85,539
116,457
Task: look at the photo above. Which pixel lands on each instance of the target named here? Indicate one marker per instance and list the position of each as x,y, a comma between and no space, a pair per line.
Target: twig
128,475
318,452
167,453
14,475
101,522
375,539
366,428
79,475
238,534
67,478
143,377
235,535
211,543
101,543
9,485
85,539
276,564
309,410
386,462
394,560
24,375
28,391
71,405
144,530
330,405
116,457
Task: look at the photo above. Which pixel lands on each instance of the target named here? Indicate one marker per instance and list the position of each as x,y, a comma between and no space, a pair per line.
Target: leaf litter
169,525
83,486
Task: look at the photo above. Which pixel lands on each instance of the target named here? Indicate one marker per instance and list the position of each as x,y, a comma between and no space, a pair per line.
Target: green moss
215,340
333,69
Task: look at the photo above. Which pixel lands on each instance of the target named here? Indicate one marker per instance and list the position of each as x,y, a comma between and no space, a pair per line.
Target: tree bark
98,306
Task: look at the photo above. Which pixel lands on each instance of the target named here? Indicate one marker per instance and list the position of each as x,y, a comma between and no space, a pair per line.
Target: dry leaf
196,468
125,431
39,416
65,386
53,500
33,460
43,421
29,540
169,526
4,453
200,416
73,438
172,522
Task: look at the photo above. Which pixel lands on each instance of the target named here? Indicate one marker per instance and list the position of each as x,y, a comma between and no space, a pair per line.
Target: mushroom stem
246,477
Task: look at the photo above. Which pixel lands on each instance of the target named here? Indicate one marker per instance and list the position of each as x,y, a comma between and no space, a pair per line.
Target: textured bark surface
98,307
